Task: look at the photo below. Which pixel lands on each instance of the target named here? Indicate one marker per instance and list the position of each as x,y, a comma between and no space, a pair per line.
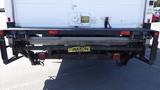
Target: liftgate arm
4,53
153,50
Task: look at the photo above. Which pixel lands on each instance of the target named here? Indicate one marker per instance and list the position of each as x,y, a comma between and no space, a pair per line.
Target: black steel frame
139,50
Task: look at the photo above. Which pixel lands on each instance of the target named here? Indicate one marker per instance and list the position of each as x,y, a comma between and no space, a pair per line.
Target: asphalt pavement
78,74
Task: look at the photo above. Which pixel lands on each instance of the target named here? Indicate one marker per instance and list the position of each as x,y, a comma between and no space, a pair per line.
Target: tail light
1,33
53,32
125,33
116,56
42,56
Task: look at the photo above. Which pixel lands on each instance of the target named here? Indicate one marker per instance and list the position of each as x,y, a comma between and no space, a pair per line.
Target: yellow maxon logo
79,49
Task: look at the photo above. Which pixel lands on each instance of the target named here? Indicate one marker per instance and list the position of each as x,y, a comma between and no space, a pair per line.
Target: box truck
58,29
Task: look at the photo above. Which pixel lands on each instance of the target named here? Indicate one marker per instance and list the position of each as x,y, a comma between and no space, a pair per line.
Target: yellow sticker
79,49
84,19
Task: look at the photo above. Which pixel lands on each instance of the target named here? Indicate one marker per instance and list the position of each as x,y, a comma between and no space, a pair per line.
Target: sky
1,3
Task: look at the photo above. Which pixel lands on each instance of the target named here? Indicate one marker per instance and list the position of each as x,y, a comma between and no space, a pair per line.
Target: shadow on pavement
158,58
104,75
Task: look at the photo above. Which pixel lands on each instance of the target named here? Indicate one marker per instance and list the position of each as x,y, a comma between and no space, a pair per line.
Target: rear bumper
68,41
61,38
79,36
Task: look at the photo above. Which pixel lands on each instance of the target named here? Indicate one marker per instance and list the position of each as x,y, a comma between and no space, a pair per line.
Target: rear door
83,13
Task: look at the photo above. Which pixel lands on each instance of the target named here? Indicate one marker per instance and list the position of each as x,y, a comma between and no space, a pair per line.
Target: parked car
156,14
155,18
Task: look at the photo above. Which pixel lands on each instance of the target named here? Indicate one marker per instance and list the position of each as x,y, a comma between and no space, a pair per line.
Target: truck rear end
52,29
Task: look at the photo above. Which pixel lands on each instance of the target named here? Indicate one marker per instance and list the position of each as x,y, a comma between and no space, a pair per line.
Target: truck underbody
118,44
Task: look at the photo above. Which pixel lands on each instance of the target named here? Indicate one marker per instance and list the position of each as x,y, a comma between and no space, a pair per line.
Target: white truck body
68,13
